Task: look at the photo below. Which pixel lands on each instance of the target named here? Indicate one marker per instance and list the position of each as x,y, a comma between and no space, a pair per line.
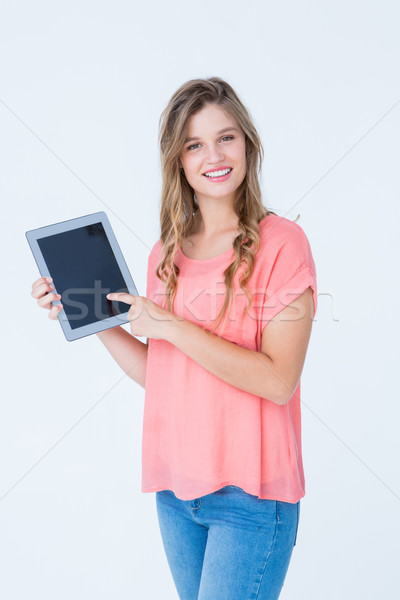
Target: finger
46,300
41,281
122,297
40,290
55,311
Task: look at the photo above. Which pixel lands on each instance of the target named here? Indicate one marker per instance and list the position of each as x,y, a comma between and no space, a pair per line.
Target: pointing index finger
121,297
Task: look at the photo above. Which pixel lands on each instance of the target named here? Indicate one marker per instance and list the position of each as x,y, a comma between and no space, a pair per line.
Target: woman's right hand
43,291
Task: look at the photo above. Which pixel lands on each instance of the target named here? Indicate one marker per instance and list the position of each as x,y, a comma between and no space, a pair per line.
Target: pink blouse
200,433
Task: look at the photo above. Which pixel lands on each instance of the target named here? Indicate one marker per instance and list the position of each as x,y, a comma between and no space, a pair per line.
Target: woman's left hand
146,318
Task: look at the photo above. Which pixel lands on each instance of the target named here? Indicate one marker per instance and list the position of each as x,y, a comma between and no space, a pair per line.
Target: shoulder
154,260
281,229
277,231
156,253
283,241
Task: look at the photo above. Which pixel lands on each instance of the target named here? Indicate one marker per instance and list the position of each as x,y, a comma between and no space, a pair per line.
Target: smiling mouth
219,173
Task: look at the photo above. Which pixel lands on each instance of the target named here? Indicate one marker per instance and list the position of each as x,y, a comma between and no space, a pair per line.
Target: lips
217,172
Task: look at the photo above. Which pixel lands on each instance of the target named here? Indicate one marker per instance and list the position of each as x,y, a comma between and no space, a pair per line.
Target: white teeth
218,173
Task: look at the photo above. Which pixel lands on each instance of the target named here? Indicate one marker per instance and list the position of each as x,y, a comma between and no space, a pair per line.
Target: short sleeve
152,263
150,282
292,272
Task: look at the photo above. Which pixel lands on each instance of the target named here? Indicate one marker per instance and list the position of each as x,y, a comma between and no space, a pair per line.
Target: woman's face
214,155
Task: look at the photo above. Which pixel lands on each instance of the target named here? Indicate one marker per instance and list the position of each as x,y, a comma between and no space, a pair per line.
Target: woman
231,294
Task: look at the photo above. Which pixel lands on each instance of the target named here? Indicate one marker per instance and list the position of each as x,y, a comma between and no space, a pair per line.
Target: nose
214,154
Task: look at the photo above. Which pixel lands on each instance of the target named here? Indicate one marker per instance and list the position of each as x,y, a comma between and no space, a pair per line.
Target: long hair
178,205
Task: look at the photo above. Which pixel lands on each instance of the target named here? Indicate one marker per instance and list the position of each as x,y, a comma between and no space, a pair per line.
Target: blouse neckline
207,261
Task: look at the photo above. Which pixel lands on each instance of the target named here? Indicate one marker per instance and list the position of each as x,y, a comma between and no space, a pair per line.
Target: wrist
173,328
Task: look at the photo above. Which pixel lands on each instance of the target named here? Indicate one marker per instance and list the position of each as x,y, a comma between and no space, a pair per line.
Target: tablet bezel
99,217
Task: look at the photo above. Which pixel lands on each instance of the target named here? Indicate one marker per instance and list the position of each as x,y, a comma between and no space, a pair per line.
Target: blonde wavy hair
178,204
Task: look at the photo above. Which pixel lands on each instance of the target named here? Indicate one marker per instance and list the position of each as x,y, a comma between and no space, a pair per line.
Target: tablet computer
84,259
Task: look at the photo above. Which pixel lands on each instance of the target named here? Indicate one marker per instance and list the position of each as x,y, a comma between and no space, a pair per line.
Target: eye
193,147
227,138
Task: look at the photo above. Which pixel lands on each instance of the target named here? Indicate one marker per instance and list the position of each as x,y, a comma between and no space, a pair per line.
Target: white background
82,88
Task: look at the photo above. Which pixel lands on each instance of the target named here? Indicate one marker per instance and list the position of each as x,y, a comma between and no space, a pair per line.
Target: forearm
248,370
129,352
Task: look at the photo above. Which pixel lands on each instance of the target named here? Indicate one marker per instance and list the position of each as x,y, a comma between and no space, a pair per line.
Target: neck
215,218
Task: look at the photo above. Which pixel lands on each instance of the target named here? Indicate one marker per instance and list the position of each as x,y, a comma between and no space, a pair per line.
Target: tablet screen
84,270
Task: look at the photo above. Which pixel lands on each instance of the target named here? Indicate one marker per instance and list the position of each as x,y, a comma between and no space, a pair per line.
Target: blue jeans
228,545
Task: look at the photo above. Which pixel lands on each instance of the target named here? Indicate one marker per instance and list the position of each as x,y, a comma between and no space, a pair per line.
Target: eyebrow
194,139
